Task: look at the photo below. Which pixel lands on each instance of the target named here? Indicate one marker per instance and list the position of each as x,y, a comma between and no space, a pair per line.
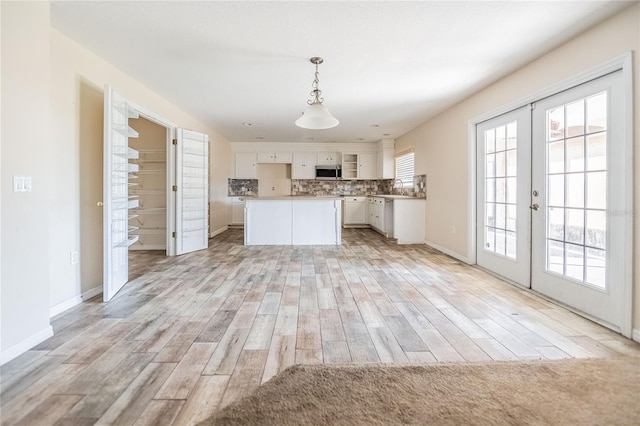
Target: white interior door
503,185
578,229
116,193
192,197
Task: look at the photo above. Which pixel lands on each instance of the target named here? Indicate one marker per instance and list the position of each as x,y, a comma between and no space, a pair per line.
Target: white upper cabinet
385,164
303,165
366,165
275,157
328,158
358,165
349,165
246,165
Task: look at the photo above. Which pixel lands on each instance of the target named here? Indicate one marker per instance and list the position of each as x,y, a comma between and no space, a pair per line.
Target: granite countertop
396,197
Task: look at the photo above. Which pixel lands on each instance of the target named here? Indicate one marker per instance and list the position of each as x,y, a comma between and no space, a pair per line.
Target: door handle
535,207
99,204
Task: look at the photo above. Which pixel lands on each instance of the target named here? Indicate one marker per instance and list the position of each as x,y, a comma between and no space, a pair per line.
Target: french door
504,183
550,181
578,179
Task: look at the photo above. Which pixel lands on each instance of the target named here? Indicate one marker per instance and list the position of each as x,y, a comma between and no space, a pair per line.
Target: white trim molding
626,326
451,253
25,345
636,335
73,301
218,231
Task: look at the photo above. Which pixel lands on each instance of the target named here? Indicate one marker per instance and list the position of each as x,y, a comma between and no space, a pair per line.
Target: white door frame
624,63
171,178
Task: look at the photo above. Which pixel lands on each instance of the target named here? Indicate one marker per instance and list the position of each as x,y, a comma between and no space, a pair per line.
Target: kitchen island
293,220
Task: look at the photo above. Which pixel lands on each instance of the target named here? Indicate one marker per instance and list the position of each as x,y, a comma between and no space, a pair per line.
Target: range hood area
274,179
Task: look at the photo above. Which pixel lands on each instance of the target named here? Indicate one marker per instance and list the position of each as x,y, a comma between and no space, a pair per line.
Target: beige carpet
569,392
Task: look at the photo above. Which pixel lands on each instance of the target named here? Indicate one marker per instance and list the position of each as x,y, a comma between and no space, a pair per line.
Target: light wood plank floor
193,333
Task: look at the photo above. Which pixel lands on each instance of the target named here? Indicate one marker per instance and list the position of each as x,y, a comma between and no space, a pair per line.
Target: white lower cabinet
355,211
237,211
381,215
409,221
374,212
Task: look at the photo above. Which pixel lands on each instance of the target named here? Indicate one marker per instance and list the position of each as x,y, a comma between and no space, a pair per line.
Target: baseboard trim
635,335
148,247
409,242
218,231
25,345
451,253
70,303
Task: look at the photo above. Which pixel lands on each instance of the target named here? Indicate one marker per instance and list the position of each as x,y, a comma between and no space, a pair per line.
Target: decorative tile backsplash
337,187
420,186
419,189
242,187
357,187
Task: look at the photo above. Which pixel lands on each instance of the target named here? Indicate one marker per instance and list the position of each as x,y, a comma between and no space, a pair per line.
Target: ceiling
388,65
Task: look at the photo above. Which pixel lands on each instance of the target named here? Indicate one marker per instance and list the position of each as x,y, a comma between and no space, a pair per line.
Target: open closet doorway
156,186
149,185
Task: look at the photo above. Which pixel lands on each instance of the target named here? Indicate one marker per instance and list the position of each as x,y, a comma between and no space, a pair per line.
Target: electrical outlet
73,257
453,229
21,183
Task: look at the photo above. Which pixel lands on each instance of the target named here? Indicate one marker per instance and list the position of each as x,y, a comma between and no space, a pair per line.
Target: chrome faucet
401,186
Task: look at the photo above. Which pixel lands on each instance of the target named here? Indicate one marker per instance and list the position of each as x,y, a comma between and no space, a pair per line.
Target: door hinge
174,188
174,234
175,142
533,106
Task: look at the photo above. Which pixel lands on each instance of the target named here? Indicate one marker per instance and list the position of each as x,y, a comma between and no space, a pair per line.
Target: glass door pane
503,188
576,190
500,213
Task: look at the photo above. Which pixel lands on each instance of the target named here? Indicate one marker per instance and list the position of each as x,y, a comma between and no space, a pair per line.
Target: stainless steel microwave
329,172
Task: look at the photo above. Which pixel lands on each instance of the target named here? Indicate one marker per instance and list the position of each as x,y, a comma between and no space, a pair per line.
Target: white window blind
404,169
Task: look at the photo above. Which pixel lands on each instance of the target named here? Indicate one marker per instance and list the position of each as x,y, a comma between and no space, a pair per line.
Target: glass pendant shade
317,117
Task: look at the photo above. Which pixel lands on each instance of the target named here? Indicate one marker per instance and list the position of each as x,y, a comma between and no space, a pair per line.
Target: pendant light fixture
317,116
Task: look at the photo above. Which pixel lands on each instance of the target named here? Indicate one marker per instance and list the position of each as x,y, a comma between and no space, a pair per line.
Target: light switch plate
21,183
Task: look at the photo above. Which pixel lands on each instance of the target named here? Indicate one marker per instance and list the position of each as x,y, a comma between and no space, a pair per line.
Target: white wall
52,94
79,77
25,151
441,143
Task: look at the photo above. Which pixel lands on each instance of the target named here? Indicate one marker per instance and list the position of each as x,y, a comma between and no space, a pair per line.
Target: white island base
293,221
